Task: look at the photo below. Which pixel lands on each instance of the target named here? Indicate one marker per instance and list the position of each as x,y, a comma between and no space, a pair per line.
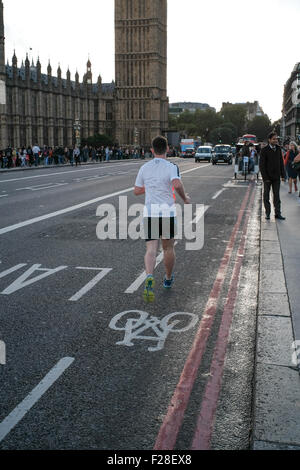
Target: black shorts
159,227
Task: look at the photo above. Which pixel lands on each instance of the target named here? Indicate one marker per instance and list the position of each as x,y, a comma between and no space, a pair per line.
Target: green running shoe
149,292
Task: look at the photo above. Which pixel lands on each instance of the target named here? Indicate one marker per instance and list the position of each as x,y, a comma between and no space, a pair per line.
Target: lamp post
136,137
77,129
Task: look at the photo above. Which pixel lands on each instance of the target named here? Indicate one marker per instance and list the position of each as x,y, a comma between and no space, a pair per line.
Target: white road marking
4,195
12,270
67,172
218,194
199,214
92,283
40,187
23,281
20,411
11,228
194,169
160,327
231,184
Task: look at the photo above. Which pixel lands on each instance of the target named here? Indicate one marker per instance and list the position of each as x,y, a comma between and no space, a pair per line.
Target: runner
157,179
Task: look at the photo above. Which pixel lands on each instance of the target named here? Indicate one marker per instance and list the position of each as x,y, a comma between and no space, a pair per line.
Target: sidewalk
277,379
67,165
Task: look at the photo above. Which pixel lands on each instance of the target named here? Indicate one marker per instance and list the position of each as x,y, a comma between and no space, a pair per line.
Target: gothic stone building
42,108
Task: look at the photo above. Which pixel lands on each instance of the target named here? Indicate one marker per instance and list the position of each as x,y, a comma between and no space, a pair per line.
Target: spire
68,75
49,69
88,77
39,69
14,60
27,63
59,72
77,76
2,41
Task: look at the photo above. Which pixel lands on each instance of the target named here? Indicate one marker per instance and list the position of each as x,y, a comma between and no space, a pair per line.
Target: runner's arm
179,188
138,191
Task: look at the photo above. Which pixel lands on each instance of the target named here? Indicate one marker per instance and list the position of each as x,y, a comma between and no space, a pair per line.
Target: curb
67,165
277,381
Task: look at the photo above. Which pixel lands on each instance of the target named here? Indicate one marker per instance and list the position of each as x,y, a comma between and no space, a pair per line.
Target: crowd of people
291,155
36,156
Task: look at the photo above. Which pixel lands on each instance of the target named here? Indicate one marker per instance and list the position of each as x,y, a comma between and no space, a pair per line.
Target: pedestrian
23,157
2,159
18,158
93,154
36,154
76,155
107,153
8,155
70,156
45,155
289,159
156,180
272,169
30,156
297,161
66,154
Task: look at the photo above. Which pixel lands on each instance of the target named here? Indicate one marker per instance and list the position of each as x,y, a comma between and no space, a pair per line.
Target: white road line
42,186
199,214
219,193
20,411
67,172
12,270
194,169
92,283
141,279
5,195
11,228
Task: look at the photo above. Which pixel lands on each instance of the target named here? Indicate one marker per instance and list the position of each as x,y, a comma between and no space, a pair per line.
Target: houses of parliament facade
132,110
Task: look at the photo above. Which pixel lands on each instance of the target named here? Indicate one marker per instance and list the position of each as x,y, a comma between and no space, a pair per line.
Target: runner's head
160,146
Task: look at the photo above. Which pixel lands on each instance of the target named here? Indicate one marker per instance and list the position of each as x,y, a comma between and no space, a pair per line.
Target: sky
218,50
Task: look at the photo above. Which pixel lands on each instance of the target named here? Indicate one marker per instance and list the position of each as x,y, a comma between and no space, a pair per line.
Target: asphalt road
67,383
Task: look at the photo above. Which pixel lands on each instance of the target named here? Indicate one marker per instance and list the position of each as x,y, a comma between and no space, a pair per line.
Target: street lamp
136,135
77,129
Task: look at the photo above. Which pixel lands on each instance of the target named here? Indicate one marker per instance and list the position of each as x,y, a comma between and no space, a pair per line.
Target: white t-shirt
36,149
157,177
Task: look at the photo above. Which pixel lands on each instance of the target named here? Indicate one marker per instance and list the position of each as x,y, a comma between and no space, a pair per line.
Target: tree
98,140
260,126
223,135
236,115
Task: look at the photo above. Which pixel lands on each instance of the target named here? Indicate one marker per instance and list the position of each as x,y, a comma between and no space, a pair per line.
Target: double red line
173,420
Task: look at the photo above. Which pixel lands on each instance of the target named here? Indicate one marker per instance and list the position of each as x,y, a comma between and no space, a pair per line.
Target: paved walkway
66,165
277,381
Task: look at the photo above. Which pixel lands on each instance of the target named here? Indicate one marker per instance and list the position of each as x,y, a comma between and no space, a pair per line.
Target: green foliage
260,126
236,115
223,135
98,140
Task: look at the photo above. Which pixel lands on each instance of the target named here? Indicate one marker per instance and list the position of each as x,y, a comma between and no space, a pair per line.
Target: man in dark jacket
272,169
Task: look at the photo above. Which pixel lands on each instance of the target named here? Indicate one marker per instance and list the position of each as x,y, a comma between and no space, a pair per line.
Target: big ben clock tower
141,70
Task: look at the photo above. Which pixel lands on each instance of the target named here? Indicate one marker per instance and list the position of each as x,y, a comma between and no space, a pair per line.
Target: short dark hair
160,145
271,135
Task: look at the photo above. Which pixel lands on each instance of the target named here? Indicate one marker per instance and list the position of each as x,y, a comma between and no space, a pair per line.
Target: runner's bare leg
169,256
150,258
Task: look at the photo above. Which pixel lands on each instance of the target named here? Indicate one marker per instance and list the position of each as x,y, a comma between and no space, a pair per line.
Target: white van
203,153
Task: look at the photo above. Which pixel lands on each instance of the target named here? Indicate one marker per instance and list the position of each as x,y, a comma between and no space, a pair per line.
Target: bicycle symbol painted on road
136,323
